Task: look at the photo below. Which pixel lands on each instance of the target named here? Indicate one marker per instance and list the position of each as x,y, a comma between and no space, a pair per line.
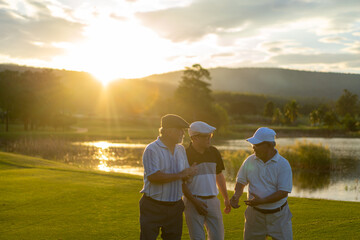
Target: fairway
42,199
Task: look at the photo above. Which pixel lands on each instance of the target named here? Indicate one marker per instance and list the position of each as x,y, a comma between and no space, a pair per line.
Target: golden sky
135,38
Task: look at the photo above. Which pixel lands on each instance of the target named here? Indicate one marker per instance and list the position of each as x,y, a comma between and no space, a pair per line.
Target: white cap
263,134
199,127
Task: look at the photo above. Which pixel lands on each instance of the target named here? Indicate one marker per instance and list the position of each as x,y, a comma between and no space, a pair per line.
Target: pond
126,158
336,185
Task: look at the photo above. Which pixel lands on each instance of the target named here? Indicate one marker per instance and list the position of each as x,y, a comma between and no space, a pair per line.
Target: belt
268,211
161,202
204,197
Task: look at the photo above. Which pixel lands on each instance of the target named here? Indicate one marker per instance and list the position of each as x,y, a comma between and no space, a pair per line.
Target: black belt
204,197
161,202
268,211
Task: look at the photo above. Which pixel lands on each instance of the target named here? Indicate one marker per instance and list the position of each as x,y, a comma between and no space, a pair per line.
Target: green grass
42,199
96,129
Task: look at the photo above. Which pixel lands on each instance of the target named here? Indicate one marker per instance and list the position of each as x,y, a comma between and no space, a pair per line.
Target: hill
275,81
268,81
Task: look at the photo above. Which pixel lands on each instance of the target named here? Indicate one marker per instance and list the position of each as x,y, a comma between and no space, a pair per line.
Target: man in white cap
270,180
202,207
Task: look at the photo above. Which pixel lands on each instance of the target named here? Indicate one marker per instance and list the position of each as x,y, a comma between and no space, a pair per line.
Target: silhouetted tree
9,87
278,116
194,100
314,117
347,104
291,111
269,109
330,119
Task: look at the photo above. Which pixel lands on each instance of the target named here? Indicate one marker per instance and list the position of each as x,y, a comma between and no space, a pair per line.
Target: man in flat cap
202,207
270,181
165,167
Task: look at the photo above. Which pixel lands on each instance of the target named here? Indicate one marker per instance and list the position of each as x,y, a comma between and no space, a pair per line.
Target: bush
304,155
233,161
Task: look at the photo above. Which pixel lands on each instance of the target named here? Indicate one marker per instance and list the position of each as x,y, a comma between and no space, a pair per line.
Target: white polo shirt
267,178
157,157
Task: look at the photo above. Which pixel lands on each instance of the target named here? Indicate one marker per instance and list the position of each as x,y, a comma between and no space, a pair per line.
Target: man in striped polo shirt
269,179
165,167
202,207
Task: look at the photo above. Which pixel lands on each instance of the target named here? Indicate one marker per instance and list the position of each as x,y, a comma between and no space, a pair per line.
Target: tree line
47,98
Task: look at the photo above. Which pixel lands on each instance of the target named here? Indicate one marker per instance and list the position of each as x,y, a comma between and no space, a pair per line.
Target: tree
347,104
9,87
330,119
291,111
269,109
278,116
194,100
349,122
314,117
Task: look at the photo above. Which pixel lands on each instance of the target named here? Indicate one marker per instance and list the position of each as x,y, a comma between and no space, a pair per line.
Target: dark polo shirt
209,164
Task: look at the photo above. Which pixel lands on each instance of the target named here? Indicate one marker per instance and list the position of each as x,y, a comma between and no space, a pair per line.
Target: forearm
276,196
160,177
187,192
221,183
239,189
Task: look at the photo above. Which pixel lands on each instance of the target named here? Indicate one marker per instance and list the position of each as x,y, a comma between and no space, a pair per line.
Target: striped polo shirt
157,157
209,164
267,178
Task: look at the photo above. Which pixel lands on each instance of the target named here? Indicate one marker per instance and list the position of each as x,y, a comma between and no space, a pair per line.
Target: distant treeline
54,98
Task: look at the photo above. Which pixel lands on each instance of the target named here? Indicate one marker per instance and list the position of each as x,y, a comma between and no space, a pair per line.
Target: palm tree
291,111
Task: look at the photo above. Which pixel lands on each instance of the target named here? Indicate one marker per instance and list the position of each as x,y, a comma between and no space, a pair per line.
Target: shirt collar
192,149
275,158
160,143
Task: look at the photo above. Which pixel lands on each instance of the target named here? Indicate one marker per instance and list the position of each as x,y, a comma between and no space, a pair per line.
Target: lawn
42,199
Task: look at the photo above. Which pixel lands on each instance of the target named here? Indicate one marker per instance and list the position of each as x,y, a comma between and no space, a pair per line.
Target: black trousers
155,216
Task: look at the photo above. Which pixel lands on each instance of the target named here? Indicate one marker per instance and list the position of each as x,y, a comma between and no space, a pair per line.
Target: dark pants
155,215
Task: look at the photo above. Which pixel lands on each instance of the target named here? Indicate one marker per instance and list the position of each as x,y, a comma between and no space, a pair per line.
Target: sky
114,39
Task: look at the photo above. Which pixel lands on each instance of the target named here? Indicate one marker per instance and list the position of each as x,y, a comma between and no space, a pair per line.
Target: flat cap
173,121
200,128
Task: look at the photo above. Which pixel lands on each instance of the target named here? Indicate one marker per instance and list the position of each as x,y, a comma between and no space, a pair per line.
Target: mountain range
274,81
268,81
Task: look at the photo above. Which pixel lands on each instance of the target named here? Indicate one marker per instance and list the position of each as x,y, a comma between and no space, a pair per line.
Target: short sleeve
151,162
242,174
285,177
219,161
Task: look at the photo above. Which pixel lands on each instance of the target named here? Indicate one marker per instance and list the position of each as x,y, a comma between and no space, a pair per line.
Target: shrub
304,155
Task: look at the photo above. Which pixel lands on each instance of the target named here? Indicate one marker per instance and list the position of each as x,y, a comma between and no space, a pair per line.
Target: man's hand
256,200
234,201
189,172
227,208
201,207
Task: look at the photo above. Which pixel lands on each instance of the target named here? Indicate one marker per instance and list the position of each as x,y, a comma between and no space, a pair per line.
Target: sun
113,50
104,75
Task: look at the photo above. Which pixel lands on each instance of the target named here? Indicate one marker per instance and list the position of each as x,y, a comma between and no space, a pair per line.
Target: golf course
42,199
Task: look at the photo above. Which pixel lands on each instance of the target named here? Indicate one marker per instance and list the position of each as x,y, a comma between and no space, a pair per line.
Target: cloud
33,35
222,55
354,48
325,58
333,40
117,17
202,17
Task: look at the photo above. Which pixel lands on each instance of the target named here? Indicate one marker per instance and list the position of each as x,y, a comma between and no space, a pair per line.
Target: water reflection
106,145
109,161
310,180
117,157
342,183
